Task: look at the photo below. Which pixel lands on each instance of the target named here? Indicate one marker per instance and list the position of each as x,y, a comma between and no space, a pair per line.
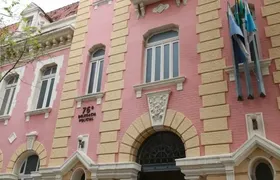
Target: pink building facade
144,90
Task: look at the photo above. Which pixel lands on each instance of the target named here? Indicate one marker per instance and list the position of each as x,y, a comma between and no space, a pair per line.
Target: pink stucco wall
17,122
186,101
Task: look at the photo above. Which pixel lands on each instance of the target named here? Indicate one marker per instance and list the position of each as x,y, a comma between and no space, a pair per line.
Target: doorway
157,157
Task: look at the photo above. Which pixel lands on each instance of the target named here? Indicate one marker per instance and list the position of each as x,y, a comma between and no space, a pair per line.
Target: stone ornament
160,8
31,137
157,102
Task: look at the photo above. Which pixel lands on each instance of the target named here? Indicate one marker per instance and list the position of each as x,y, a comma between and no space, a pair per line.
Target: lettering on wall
87,115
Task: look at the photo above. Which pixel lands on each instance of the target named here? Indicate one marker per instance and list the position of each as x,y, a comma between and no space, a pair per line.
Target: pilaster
66,110
215,111
111,108
271,11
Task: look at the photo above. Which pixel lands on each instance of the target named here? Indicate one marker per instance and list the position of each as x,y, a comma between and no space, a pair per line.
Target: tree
19,42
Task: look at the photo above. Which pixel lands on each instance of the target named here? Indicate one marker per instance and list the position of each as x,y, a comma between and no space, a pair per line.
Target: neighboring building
146,91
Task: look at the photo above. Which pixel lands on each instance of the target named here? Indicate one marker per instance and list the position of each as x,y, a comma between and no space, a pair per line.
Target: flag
238,38
250,23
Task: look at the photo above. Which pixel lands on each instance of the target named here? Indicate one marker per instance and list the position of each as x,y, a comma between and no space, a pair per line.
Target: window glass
47,85
149,65
5,100
163,36
8,96
162,58
166,61
100,76
96,70
263,172
158,63
50,93
175,60
29,165
42,94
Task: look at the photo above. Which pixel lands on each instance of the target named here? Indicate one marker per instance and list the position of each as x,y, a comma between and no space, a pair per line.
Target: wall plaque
87,115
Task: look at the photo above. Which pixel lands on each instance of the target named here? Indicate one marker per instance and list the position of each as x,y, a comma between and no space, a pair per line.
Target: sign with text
87,115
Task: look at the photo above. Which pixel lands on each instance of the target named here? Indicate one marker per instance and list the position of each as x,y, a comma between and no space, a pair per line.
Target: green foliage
19,42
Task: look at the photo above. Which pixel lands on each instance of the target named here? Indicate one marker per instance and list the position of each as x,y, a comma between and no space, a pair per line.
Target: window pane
166,61
11,100
50,93
162,36
22,167
175,59
158,64
42,94
31,164
5,101
54,69
149,66
254,53
99,76
91,79
100,52
47,71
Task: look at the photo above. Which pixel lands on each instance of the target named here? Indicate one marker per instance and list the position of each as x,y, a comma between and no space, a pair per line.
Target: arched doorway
157,157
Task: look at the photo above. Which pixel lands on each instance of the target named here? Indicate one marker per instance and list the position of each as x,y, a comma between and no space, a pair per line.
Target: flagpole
246,68
258,70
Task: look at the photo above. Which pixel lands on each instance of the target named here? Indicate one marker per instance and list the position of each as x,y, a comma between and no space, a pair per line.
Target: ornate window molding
260,160
89,97
178,82
33,99
98,3
16,72
255,124
264,68
45,111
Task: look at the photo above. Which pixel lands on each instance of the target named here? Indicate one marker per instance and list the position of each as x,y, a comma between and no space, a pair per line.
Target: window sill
45,111
5,118
264,68
178,81
90,97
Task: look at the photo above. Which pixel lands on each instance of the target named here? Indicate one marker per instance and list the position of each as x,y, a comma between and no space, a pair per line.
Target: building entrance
157,157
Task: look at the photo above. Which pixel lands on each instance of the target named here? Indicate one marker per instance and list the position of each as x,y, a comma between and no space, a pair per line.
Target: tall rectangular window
8,97
96,70
45,94
162,57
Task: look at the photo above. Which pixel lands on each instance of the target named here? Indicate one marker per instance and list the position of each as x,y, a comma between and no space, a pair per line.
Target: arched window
162,56
79,174
7,99
157,156
47,83
30,164
96,70
262,170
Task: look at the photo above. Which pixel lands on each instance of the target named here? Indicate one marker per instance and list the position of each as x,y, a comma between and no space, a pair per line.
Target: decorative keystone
31,137
157,102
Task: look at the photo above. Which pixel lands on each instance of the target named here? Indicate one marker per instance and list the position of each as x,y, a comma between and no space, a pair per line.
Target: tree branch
17,61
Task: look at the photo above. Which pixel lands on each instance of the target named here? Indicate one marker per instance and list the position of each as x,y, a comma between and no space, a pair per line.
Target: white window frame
96,60
48,78
153,46
13,88
23,176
